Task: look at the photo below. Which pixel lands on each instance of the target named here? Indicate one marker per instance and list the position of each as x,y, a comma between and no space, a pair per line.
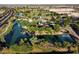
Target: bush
21,49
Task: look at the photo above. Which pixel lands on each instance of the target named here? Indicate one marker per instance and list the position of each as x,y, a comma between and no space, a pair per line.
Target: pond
15,34
57,38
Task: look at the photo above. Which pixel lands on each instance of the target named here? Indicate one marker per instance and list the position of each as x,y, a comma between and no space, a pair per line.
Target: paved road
5,29
6,17
73,31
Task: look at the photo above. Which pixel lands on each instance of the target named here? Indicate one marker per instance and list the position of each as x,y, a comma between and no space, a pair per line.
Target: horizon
7,5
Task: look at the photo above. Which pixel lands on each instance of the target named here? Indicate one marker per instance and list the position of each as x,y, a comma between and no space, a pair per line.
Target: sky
39,2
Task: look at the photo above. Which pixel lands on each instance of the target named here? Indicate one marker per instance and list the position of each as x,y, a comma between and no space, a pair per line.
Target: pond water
15,34
57,38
